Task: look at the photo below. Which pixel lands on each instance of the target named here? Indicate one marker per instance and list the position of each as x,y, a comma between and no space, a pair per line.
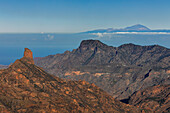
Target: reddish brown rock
28,53
28,56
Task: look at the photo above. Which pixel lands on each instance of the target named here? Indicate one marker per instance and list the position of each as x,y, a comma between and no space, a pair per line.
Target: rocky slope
156,98
118,70
27,88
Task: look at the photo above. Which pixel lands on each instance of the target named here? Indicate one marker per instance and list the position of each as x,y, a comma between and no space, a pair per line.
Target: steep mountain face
27,88
118,70
156,98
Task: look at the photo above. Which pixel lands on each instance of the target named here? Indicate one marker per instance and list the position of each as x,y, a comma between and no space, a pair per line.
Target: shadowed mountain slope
156,98
27,88
118,70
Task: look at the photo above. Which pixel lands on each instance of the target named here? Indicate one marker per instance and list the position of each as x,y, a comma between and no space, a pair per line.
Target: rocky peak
129,45
28,56
92,43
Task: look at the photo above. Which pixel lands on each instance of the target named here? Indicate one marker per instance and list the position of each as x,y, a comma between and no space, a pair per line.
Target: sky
72,16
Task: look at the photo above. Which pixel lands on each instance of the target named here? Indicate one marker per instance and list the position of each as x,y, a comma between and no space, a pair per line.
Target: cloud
99,35
49,37
144,33
109,36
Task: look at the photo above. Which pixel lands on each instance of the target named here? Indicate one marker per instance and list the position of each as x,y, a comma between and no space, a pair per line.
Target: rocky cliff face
27,88
156,98
118,70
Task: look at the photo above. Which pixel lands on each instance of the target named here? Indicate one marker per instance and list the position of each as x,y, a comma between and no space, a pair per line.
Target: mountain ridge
133,28
91,45
120,71
138,27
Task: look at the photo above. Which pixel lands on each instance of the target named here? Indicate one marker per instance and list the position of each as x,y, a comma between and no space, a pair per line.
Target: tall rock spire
28,53
28,57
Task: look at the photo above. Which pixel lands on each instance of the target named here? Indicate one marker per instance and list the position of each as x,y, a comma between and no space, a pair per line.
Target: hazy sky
81,15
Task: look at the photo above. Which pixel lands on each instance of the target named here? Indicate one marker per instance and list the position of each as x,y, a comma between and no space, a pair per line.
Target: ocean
43,44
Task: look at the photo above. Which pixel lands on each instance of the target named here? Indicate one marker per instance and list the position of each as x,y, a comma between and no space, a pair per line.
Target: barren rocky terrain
120,71
156,98
27,88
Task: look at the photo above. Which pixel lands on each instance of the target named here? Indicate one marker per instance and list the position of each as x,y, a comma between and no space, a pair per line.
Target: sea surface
43,44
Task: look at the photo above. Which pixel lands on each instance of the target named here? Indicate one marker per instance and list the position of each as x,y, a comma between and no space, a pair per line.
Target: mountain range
27,88
134,28
136,75
120,71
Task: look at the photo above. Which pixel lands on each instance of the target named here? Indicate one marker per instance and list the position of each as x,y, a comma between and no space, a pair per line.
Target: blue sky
69,16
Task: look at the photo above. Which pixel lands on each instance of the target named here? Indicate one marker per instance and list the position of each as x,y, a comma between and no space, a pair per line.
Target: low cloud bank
140,33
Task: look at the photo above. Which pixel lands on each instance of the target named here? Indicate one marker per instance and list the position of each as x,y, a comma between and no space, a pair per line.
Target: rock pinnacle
28,57
28,53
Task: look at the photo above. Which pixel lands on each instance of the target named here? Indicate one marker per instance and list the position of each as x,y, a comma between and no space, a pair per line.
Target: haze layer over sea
44,44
